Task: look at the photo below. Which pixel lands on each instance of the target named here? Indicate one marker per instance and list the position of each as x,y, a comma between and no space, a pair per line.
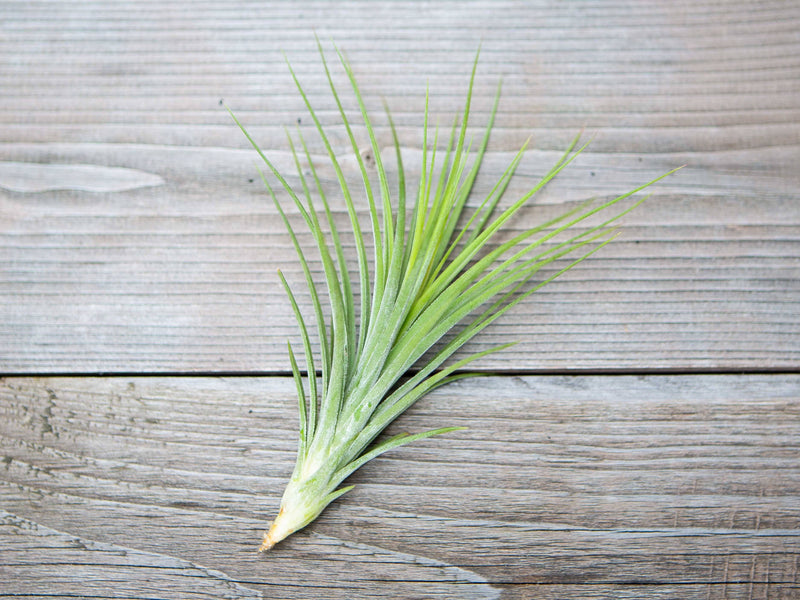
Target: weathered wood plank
169,279
712,74
180,277
595,487
41,562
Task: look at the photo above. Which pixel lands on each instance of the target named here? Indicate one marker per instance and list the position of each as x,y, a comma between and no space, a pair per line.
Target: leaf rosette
439,275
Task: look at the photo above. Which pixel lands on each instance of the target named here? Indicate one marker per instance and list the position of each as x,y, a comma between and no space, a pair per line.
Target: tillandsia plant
436,268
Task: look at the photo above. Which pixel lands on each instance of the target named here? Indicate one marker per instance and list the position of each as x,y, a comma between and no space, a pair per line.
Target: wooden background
642,440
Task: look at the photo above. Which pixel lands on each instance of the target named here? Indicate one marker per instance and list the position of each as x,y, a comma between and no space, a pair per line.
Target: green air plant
436,268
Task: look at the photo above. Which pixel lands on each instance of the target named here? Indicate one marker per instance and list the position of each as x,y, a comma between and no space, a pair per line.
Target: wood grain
136,239
180,277
596,487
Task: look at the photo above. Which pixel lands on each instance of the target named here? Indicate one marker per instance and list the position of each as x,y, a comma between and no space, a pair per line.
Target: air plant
436,269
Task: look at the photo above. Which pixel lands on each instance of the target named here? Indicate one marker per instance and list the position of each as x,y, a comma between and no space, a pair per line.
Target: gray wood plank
180,276
38,561
596,487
